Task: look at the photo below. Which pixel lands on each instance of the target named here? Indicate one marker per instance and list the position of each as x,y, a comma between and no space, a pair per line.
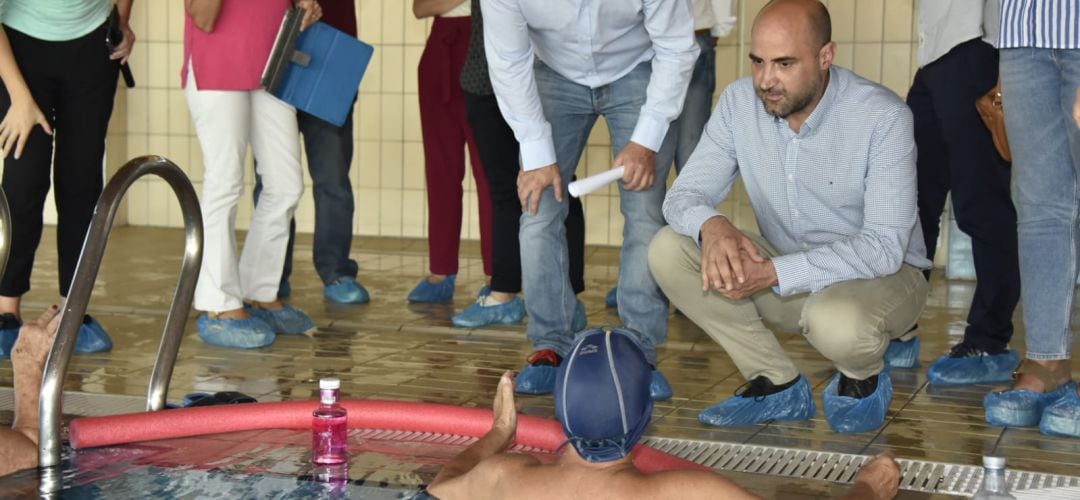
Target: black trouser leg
499,154
73,83
979,180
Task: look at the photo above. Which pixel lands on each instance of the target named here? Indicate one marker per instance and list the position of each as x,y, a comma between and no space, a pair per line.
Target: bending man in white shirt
556,66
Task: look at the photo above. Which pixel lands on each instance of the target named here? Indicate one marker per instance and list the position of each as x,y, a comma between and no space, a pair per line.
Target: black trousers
956,153
73,82
499,154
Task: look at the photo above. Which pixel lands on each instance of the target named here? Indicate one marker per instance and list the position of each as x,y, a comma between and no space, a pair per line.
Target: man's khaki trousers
850,323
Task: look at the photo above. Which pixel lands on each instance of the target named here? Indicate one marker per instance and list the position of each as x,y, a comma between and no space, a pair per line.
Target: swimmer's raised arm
478,467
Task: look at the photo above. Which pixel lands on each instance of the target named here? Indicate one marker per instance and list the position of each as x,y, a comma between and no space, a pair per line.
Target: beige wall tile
367,212
843,16
390,212
413,215
391,166
899,19
870,20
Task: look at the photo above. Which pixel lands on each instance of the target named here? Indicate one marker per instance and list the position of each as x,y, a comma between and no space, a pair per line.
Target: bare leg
18,445
10,305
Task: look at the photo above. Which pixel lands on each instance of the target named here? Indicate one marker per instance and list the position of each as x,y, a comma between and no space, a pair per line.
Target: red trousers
446,132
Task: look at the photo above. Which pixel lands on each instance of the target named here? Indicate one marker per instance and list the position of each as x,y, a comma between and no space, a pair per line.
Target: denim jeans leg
1039,86
642,305
686,130
329,152
550,300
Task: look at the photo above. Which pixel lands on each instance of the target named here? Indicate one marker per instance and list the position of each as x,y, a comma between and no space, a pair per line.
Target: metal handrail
83,284
5,232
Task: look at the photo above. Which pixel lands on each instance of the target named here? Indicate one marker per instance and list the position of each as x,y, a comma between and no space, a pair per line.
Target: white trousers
226,121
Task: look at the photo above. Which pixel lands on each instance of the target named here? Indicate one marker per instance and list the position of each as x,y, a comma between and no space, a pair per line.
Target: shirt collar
823,106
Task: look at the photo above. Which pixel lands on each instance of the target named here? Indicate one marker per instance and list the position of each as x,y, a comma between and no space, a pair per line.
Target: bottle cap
992,462
329,383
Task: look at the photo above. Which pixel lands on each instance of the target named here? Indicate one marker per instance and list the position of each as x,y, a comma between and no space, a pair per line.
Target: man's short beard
796,104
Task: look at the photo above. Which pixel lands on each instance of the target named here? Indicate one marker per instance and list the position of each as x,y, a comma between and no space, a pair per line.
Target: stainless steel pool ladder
5,232
83,284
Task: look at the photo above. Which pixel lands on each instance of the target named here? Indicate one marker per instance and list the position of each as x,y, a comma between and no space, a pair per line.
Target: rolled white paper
582,187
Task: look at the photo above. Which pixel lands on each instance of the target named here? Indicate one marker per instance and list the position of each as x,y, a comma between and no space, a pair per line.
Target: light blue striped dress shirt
591,43
1044,24
837,199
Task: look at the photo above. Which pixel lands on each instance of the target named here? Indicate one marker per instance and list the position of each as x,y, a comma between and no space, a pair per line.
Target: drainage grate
916,475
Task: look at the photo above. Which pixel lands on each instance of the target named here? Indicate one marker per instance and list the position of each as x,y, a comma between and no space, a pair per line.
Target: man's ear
826,55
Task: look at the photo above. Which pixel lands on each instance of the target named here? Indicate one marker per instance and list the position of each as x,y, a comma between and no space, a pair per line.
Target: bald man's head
791,52
816,24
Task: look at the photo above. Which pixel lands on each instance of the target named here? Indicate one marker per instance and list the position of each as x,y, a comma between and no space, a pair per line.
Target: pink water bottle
329,426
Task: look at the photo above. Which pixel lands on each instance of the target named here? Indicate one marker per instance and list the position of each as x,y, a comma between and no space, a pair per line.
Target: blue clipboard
318,70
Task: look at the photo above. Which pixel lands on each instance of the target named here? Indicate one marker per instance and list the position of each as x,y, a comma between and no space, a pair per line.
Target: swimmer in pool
19,444
602,399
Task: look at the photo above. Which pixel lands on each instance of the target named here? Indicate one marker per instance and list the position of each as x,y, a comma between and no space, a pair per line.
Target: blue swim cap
602,394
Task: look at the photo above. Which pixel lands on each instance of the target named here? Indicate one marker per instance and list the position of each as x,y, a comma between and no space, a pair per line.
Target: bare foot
273,305
234,314
1060,368
34,343
879,478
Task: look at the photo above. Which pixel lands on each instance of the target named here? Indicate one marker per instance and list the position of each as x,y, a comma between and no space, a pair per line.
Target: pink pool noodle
369,414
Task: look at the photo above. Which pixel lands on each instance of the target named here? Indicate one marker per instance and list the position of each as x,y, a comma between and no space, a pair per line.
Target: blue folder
318,70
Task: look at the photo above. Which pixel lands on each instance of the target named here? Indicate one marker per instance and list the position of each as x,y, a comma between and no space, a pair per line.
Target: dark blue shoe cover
903,354
429,293
794,403
977,369
847,414
659,388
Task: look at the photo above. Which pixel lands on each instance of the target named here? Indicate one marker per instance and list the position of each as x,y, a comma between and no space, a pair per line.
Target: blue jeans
329,152
686,130
572,110
1039,86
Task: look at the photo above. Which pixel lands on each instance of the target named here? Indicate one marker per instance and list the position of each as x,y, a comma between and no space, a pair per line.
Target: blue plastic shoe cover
346,290
901,354
285,321
1063,417
1021,407
243,333
612,299
975,369
477,315
92,337
659,388
847,414
794,403
9,332
433,293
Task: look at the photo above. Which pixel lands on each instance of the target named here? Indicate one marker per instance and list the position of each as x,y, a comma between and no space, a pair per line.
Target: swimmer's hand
877,479
505,412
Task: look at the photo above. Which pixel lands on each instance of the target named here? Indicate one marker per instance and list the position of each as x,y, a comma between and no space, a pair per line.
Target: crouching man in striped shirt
828,161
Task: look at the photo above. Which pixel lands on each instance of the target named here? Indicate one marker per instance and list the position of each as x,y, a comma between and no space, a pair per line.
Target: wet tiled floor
391,349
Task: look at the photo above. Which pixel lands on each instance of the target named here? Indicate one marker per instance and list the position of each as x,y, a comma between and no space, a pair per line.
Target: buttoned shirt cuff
696,217
650,132
792,273
537,154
